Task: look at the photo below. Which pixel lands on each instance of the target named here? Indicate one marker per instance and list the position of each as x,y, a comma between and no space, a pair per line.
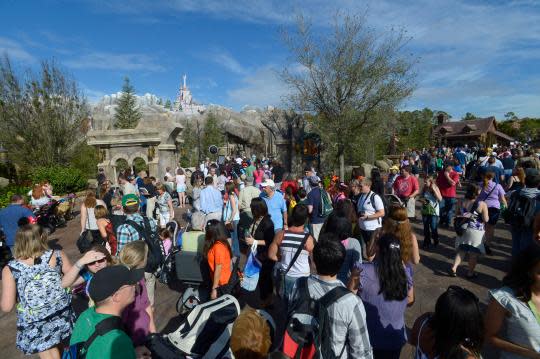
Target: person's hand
91,256
213,294
249,240
143,352
354,280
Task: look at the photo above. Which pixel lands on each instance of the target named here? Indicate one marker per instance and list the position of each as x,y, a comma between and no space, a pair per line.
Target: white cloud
260,88
112,61
15,51
225,59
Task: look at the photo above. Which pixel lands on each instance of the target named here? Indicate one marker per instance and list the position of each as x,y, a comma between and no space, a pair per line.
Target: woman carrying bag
231,216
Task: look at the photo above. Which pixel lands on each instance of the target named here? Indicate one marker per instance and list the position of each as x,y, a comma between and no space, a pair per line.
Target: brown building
478,132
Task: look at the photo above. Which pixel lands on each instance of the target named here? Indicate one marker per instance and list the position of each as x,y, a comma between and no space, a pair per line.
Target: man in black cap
112,289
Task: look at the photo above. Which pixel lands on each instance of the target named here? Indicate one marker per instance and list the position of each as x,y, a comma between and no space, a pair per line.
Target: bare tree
345,76
42,116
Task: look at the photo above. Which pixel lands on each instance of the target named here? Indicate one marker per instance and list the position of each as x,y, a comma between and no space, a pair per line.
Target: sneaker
488,250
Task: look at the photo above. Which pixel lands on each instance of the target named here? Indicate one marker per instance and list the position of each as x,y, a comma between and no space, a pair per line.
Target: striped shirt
347,320
289,245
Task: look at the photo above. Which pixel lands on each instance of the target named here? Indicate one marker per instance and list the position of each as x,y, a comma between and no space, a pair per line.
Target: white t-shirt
365,205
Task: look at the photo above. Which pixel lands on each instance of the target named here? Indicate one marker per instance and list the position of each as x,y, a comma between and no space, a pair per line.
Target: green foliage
42,115
510,116
212,134
160,101
189,151
127,113
168,104
414,128
469,116
63,179
523,130
7,192
139,165
85,159
121,164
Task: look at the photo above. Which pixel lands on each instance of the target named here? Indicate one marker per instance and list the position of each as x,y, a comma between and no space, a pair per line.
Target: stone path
430,281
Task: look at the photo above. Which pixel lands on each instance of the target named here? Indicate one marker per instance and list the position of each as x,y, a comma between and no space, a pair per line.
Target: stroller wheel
175,202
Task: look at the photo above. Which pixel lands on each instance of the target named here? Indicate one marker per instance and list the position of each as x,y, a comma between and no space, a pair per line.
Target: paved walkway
430,281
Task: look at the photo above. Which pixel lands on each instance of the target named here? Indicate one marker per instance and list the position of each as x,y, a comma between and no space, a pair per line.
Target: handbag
229,225
461,223
280,280
251,270
86,239
232,285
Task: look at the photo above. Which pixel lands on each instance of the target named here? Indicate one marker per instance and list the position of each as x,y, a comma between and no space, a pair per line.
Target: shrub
7,192
63,179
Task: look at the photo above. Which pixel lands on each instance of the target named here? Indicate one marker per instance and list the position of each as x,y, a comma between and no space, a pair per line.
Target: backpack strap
326,301
298,251
138,228
102,328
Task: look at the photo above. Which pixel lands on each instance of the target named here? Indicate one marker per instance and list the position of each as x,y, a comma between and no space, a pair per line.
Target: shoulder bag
280,280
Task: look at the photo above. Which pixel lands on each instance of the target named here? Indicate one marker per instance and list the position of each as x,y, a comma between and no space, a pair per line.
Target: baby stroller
47,218
192,271
393,201
166,269
205,333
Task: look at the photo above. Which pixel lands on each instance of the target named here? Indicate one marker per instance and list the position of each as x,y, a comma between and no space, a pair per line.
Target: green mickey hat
130,200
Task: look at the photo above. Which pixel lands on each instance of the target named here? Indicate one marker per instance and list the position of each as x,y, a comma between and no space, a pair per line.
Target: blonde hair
133,254
250,336
398,225
30,242
101,212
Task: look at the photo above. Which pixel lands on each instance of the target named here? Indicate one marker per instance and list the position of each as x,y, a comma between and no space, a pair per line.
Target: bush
63,179
7,192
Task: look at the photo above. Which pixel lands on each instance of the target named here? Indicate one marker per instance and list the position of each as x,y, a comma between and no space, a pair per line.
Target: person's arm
502,198
83,217
102,223
416,187
437,192
151,324
274,247
484,211
215,281
72,277
493,323
66,263
510,182
415,251
9,290
285,221
357,335
449,179
233,207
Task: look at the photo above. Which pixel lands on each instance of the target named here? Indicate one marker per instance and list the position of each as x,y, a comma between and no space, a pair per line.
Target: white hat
268,183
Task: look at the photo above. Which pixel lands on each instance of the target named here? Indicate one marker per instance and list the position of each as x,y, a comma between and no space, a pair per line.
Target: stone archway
139,164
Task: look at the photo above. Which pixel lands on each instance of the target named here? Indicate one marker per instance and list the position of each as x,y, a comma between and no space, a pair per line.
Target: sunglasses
102,260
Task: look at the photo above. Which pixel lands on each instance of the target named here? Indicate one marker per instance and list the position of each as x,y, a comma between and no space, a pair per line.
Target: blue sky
474,56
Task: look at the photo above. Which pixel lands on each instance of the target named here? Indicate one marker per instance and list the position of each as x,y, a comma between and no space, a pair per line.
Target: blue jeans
234,237
521,238
430,229
447,208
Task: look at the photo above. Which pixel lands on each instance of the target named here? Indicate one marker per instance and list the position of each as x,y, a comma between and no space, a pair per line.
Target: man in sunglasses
98,331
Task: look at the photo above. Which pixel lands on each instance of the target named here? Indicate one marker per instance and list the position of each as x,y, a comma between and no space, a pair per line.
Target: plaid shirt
347,321
127,233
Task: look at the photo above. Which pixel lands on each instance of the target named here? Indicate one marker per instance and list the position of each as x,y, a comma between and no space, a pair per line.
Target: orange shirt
219,254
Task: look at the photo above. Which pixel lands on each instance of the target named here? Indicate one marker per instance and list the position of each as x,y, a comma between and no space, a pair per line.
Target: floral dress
44,314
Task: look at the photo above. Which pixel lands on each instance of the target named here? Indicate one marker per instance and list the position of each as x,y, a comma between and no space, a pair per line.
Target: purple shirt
135,318
492,201
385,319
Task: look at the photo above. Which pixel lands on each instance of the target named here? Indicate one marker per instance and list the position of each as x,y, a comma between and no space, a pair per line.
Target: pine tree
127,113
168,104
160,101
212,133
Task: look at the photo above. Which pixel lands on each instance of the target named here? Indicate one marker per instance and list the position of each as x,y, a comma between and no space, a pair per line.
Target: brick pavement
430,281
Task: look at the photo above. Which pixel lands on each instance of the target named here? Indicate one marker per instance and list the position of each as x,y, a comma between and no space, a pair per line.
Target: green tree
469,116
347,75
42,115
168,104
189,150
414,128
510,116
127,113
85,159
160,101
212,133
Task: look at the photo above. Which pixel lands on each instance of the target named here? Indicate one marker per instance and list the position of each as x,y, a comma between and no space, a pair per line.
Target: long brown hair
216,232
90,200
398,225
519,172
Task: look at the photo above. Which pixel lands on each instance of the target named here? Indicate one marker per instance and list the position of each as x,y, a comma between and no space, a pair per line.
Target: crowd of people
330,261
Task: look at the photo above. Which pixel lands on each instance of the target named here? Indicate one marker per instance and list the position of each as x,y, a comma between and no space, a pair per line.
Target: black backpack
302,331
521,210
156,252
80,349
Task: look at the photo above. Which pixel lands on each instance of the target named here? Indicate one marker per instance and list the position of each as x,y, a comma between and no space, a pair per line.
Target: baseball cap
130,200
268,183
108,280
